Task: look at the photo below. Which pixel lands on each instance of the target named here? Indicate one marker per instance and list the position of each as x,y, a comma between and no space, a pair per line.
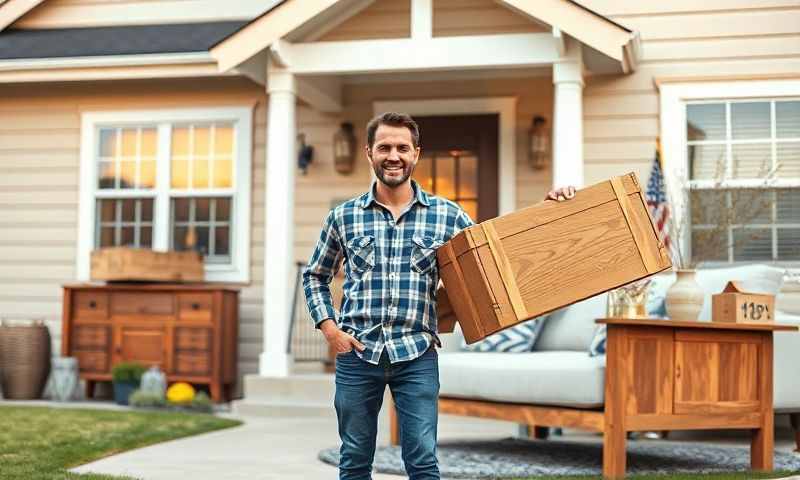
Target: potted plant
126,377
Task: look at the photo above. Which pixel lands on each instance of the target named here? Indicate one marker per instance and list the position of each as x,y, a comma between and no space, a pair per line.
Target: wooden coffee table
674,375
662,375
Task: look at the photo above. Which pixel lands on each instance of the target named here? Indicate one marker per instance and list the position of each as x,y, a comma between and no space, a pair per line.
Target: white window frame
673,100
241,117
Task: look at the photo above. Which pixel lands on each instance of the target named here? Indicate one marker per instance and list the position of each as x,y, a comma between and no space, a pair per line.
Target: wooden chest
142,264
550,255
189,331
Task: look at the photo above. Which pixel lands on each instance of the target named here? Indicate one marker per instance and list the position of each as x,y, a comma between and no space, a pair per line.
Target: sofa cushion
572,327
547,378
517,339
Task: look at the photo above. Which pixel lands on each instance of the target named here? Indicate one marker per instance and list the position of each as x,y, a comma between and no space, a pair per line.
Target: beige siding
736,39
478,17
682,39
39,188
382,19
87,13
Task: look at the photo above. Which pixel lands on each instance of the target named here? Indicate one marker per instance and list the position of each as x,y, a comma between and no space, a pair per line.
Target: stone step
309,388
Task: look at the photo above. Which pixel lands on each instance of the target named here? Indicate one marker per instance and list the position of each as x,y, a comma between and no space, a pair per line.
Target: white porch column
279,268
568,119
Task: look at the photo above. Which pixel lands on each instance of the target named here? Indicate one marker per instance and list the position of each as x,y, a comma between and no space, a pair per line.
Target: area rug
513,458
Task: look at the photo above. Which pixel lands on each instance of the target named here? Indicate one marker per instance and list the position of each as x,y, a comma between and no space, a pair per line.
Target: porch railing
306,343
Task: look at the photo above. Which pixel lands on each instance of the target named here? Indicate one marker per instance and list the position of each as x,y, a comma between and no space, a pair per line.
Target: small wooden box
126,264
736,305
550,255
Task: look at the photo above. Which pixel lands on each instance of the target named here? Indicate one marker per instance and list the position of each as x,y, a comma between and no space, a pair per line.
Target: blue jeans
359,394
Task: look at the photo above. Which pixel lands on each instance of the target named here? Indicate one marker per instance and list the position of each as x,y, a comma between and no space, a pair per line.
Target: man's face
393,155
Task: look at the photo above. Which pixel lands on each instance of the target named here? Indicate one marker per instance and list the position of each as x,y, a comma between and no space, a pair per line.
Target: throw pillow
517,339
598,345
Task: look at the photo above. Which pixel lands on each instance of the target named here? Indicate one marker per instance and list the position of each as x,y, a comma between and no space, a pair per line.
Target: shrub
127,372
202,403
141,398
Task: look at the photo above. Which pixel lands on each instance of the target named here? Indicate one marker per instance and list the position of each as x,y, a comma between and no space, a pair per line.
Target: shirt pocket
423,253
361,253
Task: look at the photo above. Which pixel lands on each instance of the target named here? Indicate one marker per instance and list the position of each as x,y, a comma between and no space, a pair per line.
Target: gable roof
585,25
117,40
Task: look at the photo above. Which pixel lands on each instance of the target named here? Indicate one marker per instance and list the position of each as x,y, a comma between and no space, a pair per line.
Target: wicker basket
25,358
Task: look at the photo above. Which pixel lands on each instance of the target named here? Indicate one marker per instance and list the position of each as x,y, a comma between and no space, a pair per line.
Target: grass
42,443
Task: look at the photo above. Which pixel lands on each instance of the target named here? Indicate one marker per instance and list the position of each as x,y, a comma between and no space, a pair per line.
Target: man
387,327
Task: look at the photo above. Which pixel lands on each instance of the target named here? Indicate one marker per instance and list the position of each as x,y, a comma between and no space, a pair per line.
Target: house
128,122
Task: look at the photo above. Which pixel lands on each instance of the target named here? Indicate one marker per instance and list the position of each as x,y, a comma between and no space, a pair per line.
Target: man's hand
339,340
560,194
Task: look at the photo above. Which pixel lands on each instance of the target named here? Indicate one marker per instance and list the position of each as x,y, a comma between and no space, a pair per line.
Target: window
743,159
452,175
168,180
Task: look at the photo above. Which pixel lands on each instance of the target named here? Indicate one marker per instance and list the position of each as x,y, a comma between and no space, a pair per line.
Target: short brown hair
393,119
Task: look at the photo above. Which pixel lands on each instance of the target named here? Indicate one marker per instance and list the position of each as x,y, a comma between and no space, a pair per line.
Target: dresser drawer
187,338
92,361
90,337
192,364
90,304
195,306
142,303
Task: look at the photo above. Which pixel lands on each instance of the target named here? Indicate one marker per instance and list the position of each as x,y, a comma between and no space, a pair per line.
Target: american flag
657,199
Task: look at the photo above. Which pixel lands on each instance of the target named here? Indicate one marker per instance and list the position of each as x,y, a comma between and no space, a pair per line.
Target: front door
459,161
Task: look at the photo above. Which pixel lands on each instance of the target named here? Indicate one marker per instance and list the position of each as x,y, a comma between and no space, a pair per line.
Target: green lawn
42,443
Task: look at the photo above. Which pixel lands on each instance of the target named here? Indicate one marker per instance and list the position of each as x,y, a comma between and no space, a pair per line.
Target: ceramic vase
684,299
63,378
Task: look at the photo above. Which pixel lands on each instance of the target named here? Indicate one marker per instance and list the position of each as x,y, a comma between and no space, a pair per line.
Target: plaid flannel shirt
389,293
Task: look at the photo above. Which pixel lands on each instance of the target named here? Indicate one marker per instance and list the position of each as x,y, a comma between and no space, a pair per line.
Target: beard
391,176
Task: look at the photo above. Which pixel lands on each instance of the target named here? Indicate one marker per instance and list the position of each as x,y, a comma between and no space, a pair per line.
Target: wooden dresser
190,331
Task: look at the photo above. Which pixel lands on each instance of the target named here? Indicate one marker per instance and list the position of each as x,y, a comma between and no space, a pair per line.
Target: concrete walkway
264,448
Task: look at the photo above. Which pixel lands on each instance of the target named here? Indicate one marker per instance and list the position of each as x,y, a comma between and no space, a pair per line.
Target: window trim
673,100
240,116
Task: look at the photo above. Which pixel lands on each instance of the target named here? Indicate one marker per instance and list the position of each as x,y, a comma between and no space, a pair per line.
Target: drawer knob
92,304
195,306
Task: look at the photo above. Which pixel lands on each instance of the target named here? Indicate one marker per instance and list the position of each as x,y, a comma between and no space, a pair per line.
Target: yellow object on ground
180,392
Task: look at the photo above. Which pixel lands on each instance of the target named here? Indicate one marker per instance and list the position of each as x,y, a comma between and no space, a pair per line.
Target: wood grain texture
647,363
772,327
762,441
698,421
509,283
143,323
541,415
614,438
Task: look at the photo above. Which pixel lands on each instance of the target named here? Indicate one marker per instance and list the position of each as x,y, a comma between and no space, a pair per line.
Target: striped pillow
517,339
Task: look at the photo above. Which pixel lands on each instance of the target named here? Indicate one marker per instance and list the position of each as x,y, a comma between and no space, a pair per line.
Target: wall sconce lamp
305,153
539,143
344,148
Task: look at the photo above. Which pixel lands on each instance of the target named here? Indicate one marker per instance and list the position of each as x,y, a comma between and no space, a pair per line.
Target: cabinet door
144,344
716,372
